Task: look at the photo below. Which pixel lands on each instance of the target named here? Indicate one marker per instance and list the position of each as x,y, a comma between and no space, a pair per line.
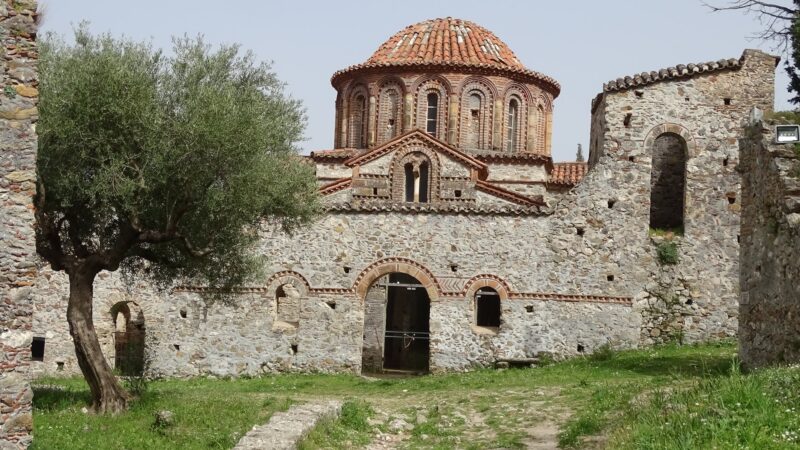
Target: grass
349,430
665,397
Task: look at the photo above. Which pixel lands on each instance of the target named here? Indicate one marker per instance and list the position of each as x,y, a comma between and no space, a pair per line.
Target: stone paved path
285,429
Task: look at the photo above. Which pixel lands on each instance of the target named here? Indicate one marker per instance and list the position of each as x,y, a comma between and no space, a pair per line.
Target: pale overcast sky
580,43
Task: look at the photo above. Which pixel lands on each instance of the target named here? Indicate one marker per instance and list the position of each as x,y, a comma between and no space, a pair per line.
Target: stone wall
572,277
706,106
18,114
769,325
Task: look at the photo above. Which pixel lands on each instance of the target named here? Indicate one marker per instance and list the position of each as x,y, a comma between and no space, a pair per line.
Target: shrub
667,252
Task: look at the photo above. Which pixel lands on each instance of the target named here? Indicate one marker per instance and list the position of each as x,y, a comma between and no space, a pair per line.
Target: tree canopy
163,165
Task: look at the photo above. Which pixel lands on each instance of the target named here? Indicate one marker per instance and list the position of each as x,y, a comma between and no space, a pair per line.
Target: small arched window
487,308
389,114
668,182
358,118
431,122
512,125
287,304
416,180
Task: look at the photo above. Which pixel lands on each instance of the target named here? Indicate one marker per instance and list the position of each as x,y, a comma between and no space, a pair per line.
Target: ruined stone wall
769,321
18,114
697,298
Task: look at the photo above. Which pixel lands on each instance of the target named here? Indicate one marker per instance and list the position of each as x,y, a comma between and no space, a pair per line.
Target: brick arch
525,108
358,120
468,136
521,90
287,276
388,112
390,80
477,80
396,172
421,88
486,280
671,128
444,82
396,265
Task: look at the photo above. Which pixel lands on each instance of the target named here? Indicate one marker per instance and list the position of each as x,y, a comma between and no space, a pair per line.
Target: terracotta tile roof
423,208
336,153
440,146
504,157
335,186
448,42
505,194
568,173
670,73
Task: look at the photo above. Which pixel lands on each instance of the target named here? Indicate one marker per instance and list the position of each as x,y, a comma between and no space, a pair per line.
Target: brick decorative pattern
475,125
368,275
398,176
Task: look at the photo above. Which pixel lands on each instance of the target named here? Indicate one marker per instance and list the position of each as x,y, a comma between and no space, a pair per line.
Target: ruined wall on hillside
18,114
769,311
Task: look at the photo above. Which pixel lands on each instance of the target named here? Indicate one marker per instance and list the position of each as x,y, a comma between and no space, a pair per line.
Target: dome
446,41
448,44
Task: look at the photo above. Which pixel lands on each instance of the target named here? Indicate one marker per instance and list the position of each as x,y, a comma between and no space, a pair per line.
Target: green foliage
784,117
171,163
793,60
740,411
666,232
603,353
501,405
350,430
667,252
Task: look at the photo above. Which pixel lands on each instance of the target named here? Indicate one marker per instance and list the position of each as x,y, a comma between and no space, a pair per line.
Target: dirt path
476,420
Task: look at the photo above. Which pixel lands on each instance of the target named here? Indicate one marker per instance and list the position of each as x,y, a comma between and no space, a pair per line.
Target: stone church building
452,240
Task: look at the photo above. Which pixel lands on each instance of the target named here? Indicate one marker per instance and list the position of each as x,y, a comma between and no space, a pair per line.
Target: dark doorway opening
129,335
407,336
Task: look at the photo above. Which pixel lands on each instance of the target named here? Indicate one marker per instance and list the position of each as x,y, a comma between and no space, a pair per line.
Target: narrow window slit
627,120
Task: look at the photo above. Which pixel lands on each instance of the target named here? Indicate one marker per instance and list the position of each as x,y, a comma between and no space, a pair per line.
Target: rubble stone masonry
769,316
18,114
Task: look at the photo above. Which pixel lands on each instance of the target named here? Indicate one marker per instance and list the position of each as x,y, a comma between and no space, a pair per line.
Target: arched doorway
129,334
397,325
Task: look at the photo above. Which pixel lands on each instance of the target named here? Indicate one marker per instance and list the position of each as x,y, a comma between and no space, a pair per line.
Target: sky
580,43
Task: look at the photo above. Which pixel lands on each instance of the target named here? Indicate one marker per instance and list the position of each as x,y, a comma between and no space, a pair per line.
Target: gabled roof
334,154
409,137
336,186
507,195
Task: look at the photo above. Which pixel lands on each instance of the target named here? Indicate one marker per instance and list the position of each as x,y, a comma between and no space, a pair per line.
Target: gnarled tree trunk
107,395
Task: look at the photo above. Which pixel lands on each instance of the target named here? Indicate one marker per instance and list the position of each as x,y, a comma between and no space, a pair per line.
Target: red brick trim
505,194
336,186
393,265
421,138
486,280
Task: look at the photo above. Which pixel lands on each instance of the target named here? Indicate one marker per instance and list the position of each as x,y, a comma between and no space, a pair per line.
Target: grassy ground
667,397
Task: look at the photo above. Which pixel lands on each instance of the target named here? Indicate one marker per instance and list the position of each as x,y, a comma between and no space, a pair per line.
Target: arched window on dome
512,125
358,122
417,179
474,120
541,130
432,117
389,115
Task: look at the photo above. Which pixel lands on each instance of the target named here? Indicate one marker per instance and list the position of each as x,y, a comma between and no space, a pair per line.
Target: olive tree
161,166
